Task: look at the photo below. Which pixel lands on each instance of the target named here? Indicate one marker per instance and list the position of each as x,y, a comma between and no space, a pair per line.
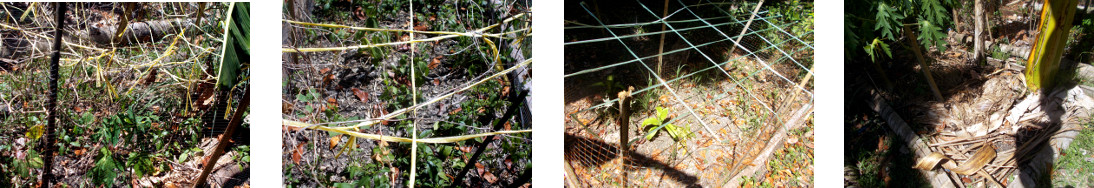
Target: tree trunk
978,32
147,31
1044,59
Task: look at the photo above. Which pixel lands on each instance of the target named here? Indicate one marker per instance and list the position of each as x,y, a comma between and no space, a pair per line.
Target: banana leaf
237,48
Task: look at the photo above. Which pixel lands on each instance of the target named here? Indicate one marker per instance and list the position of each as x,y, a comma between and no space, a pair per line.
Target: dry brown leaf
480,167
881,146
360,14
151,78
455,111
286,107
361,95
328,79
490,177
435,62
296,154
422,27
508,163
334,141
289,128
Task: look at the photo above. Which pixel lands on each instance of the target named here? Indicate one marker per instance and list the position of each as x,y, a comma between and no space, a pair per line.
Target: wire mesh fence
734,76
438,97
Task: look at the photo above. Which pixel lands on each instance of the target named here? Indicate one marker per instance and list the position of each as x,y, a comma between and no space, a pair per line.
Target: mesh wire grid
758,76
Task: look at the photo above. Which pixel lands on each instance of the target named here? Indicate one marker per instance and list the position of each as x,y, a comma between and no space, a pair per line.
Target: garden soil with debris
352,84
743,123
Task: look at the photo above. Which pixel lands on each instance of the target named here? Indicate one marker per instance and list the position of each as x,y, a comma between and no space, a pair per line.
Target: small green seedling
653,124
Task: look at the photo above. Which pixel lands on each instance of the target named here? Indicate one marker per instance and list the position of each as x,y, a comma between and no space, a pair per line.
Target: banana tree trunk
1044,59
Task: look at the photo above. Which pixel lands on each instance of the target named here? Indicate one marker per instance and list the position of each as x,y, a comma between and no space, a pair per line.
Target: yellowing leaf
35,132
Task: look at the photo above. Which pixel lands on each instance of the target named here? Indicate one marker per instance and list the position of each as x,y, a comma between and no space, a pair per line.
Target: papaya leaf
888,20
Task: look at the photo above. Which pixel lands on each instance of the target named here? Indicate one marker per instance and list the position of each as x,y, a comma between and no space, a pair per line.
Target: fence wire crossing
772,67
510,32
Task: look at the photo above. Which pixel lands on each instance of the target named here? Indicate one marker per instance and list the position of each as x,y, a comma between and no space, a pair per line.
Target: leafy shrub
105,170
659,120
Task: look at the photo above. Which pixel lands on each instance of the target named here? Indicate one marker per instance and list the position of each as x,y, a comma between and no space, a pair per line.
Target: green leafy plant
659,120
141,164
105,170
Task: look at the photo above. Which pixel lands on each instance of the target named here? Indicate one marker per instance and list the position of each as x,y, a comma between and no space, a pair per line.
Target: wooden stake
624,126
225,138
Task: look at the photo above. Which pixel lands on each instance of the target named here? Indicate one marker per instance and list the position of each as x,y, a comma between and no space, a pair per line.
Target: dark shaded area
599,152
586,56
899,80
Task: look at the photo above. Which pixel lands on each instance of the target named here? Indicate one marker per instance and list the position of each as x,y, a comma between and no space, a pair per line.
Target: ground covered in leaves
973,112
728,120
141,114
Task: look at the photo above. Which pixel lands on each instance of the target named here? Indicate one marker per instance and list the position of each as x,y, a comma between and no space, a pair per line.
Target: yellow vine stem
437,38
437,140
167,52
388,117
497,56
30,9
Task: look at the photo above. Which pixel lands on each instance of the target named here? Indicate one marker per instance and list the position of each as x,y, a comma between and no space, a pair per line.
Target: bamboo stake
414,98
661,47
922,63
745,29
